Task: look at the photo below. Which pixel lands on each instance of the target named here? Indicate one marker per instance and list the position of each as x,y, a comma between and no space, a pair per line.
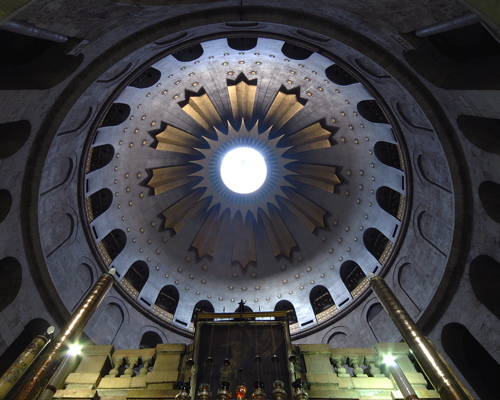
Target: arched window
377,244
339,75
136,277
485,281
167,300
34,328
146,78
322,303
112,245
242,43
475,363
189,54
117,113
389,154
10,280
203,306
295,52
98,203
285,305
150,340
489,193
99,156
390,201
353,277
371,111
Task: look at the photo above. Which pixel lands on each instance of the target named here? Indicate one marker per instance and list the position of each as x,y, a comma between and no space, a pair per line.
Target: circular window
243,170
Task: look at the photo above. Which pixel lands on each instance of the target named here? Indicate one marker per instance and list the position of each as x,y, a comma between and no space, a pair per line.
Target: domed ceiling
332,129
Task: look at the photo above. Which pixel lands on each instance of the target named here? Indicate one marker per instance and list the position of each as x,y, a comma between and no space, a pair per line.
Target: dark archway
339,75
285,305
475,363
352,275
168,299
489,194
150,340
5,203
117,113
203,306
99,157
189,54
371,111
484,276
389,154
242,43
12,137
99,201
11,276
295,52
113,244
137,275
320,299
147,78
390,201
376,243
482,132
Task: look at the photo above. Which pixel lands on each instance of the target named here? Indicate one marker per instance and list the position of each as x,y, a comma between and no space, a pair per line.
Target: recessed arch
489,194
11,275
339,75
390,201
137,275
371,111
5,203
242,43
484,276
285,305
117,113
189,53
150,340
98,203
475,363
389,154
13,135
147,78
295,52
377,244
168,299
381,325
353,276
481,131
112,245
99,157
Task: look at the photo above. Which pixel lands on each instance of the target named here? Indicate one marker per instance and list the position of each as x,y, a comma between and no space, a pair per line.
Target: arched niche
137,275
5,203
339,340
242,43
11,275
484,275
321,300
203,306
98,203
475,363
389,154
117,113
12,137
32,329
413,283
377,244
99,157
295,52
168,299
390,201
381,325
189,53
353,276
489,194
150,340
147,78
83,279
371,111
464,58
108,323
112,244
482,132
285,305
339,75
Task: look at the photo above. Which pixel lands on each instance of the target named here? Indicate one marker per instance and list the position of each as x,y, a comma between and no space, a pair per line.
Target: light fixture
243,170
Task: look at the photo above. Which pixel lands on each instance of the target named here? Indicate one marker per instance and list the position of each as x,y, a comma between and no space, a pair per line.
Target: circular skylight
243,170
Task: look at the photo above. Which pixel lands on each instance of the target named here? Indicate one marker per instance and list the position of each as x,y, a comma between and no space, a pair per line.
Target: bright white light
74,349
389,360
243,170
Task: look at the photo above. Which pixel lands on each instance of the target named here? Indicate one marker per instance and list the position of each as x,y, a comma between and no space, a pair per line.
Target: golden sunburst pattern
234,217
